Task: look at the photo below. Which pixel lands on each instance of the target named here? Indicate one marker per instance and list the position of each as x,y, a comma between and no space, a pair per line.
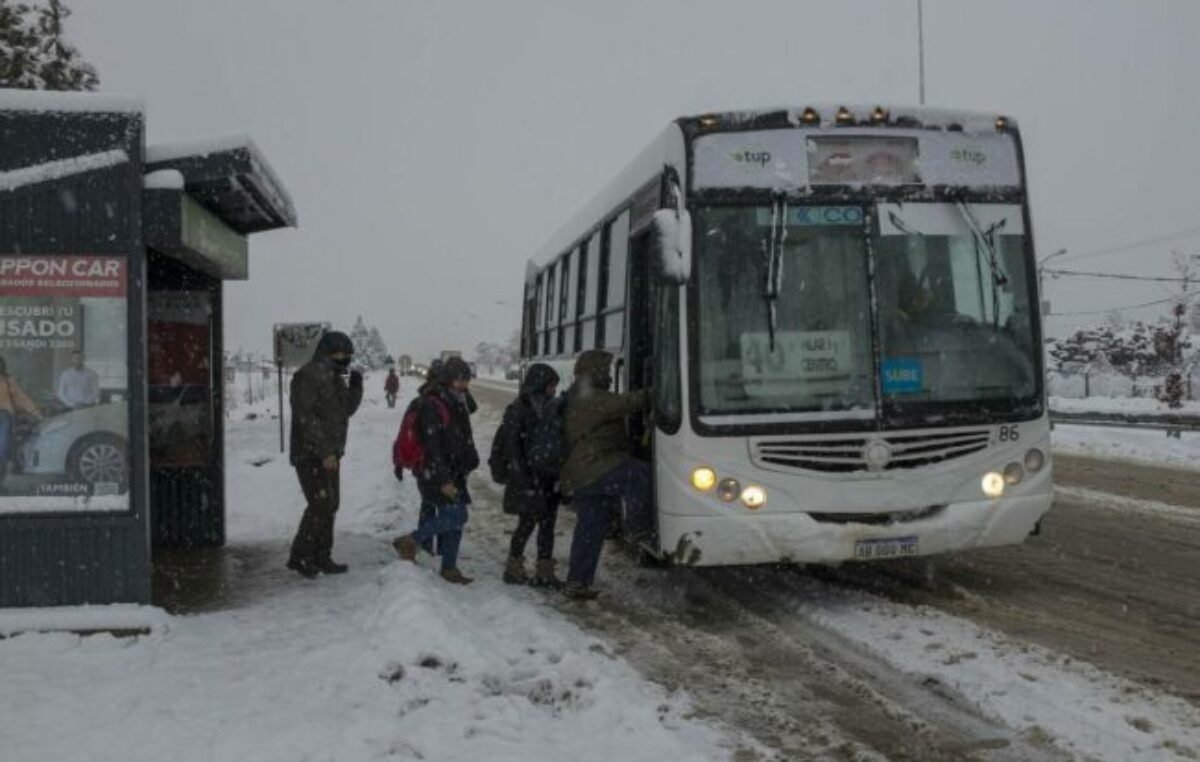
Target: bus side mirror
673,245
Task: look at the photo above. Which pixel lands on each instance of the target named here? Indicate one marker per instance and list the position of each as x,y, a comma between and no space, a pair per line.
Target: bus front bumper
745,538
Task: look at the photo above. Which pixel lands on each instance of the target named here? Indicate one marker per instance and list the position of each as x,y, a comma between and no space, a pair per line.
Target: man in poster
78,385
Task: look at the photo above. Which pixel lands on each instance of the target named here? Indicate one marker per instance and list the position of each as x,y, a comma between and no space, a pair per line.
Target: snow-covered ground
385,662
1138,445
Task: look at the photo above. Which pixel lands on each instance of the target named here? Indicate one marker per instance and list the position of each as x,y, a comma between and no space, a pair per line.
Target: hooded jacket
525,491
596,435
449,445
322,404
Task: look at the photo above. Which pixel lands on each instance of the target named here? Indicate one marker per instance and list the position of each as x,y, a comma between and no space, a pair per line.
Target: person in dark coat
322,403
531,496
444,427
391,387
601,472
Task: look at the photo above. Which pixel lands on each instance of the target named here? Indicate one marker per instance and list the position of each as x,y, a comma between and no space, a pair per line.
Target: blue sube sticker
902,375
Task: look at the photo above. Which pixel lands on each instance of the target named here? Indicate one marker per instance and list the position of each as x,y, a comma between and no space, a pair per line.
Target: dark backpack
548,447
407,450
498,459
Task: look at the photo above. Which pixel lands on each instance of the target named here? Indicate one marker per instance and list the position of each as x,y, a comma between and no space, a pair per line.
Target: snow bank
1121,405
114,618
12,179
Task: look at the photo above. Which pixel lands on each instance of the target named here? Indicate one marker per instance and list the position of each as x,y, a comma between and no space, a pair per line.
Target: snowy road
1081,643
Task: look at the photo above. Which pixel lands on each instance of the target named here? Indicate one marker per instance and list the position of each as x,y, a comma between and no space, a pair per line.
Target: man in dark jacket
322,404
391,387
600,471
530,495
444,428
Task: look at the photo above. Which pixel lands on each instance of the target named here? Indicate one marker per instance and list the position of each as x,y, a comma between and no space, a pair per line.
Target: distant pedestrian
391,387
600,473
322,403
529,493
448,457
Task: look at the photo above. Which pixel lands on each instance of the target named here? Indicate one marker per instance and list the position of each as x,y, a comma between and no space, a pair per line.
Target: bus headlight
728,490
1034,460
1013,473
754,497
993,484
704,479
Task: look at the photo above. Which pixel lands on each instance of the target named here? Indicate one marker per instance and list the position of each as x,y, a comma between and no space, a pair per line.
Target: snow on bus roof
42,100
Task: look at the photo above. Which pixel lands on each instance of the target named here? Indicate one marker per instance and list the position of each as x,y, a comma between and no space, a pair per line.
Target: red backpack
407,450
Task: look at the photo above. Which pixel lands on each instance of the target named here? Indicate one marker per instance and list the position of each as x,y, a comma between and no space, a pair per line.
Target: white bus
837,310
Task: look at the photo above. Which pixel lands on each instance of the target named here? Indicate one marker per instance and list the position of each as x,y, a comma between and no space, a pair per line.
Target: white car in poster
87,444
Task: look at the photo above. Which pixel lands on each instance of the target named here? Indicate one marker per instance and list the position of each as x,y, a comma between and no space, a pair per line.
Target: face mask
604,382
342,363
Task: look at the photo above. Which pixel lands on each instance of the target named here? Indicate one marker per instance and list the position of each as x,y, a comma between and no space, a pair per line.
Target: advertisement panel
295,342
64,414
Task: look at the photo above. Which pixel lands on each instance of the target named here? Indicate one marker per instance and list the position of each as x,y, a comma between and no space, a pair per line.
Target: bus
836,310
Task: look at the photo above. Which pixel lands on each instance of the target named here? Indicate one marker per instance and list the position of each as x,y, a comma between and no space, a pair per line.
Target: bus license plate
886,547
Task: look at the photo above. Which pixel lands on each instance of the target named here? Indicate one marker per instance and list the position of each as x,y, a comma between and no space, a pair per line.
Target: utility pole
921,46
1045,303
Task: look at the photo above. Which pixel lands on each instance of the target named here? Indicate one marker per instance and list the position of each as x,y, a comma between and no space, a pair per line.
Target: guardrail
1172,423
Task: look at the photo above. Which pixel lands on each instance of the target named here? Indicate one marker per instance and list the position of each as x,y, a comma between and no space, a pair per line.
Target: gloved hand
399,471
356,379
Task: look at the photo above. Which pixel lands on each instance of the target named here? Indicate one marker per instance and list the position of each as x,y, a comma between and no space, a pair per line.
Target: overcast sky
432,145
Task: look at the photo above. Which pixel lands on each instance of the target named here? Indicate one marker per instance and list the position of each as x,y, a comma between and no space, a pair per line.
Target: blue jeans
447,526
625,488
428,512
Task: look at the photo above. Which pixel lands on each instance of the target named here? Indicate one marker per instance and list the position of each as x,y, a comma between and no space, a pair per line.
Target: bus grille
850,454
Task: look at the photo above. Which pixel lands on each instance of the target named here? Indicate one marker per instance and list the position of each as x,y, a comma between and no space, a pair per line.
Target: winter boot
514,571
306,569
329,566
406,547
544,576
456,577
577,591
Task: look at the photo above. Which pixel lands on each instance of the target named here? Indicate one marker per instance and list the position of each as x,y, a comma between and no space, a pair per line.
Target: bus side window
566,325
602,281
614,321
551,313
581,295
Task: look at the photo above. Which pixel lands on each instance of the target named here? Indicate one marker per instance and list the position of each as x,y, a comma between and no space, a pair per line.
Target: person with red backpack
437,445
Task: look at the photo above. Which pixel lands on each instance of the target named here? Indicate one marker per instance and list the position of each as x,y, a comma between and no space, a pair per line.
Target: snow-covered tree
34,51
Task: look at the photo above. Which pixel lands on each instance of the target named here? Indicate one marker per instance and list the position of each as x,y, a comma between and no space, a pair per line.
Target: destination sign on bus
797,355
787,159
815,216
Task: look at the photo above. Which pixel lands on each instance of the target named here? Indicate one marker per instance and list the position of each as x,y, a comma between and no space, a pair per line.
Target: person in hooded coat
444,428
600,473
322,403
530,495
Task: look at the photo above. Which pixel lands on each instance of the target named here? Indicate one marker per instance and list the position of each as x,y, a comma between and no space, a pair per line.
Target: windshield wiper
987,239
775,265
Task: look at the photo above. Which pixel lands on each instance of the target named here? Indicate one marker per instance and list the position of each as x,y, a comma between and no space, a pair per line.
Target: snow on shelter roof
43,100
229,176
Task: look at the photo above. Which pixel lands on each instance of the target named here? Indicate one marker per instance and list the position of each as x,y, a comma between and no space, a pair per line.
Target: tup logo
751,158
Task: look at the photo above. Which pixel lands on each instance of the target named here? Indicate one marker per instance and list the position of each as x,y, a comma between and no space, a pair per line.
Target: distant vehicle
404,365
837,309
512,373
88,444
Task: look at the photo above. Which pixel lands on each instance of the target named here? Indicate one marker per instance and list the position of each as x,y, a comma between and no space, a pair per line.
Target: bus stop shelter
113,257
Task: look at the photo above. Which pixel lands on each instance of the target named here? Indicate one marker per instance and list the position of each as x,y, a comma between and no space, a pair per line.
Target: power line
1165,238
1115,309
1120,276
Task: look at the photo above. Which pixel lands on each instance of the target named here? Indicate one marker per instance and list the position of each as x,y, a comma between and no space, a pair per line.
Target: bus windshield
784,325
955,310
787,326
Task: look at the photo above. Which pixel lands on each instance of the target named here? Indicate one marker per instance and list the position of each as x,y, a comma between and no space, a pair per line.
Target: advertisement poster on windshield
812,356
64,417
